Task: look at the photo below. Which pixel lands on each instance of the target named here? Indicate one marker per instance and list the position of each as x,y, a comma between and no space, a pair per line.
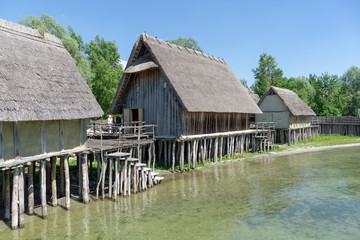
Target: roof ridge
29,33
181,48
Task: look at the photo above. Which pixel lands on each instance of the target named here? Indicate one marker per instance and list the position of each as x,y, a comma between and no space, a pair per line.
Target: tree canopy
266,74
104,58
187,42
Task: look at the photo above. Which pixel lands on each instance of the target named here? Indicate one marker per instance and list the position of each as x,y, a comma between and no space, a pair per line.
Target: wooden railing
336,120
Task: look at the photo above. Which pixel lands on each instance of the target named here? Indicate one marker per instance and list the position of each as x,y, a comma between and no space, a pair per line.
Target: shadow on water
291,197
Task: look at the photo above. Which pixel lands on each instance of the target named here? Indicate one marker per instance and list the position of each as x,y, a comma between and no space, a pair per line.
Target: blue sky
305,37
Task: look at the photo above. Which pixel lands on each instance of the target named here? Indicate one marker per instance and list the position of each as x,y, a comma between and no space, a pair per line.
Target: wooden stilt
43,187
110,177
21,198
85,180
289,137
173,156
210,148
149,155
6,186
205,149
115,193
241,144
154,155
67,183
182,157
15,199
216,149
31,188
221,148
228,148
62,175
194,154
189,155
98,166
53,182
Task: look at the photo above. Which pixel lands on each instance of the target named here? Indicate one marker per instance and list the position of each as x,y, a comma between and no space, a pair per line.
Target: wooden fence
345,125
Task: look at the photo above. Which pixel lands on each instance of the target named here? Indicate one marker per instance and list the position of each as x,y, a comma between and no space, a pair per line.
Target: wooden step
140,164
157,178
153,174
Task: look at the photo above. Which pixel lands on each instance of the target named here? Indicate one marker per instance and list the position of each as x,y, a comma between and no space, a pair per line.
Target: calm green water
308,196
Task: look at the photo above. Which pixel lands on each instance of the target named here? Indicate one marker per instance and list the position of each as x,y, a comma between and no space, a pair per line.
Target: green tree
351,86
187,42
329,99
71,44
266,74
104,58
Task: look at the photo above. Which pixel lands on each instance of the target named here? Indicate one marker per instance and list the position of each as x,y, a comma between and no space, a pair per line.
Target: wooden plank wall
205,122
147,91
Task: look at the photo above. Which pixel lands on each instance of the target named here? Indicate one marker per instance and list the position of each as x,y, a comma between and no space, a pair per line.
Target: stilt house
285,108
182,91
45,103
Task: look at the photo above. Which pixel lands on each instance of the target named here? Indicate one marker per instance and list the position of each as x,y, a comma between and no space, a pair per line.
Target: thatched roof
200,83
39,79
291,100
253,95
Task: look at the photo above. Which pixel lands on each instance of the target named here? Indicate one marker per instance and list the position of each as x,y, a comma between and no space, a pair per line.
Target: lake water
307,196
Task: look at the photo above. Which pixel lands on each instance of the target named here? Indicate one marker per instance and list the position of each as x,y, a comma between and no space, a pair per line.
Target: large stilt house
44,108
182,91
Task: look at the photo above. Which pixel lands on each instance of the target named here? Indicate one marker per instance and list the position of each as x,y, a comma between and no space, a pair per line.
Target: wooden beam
53,182
31,188
216,149
110,177
67,183
173,156
85,178
15,199
21,198
43,188
182,157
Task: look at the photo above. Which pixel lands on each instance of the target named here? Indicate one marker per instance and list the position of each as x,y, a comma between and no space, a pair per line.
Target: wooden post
241,144
173,156
221,148
79,167
31,188
110,177
85,180
6,185
115,193
149,156
289,137
21,198
43,187
15,198
228,148
194,154
182,157
67,183
154,156
210,148
205,149
189,155
216,149
62,175
53,182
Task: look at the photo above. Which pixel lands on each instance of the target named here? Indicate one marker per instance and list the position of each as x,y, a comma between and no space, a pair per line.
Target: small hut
44,110
286,109
183,91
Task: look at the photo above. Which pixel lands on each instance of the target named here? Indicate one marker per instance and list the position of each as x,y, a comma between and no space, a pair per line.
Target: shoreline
286,152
